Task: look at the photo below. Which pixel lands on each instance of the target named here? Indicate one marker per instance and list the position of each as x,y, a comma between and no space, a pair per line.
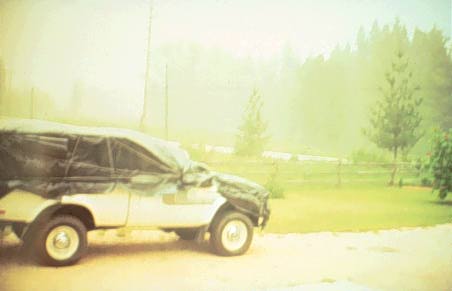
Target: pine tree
251,139
434,75
395,119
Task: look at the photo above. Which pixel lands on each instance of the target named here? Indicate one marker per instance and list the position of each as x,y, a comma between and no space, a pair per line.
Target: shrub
276,190
426,182
273,184
440,163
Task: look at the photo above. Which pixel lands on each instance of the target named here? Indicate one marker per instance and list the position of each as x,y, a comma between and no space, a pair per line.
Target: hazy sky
53,43
311,27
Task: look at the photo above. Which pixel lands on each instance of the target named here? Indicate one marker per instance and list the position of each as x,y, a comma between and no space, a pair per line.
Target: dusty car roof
41,126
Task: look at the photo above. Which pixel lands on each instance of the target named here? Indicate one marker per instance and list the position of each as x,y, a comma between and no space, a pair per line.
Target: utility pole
10,82
6,91
32,103
146,95
3,84
339,173
166,101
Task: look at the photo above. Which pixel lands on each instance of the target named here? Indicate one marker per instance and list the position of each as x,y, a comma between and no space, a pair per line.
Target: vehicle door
90,171
157,196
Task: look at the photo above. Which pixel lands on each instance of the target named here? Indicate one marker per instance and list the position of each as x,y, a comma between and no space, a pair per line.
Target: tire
231,234
187,233
60,241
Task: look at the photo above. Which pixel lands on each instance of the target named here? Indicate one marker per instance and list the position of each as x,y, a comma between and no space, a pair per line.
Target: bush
426,182
273,184
276,190
440,163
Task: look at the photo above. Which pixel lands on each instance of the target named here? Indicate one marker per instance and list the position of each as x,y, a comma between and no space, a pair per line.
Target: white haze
98,48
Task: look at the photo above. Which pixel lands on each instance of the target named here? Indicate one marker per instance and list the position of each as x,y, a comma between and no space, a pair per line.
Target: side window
33,155
132,158
90,158
46,146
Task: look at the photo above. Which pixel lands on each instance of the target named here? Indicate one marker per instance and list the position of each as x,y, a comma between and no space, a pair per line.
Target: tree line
343,88
318,104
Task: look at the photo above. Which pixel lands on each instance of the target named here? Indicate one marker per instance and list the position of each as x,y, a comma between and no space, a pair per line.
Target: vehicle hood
242,193
245,195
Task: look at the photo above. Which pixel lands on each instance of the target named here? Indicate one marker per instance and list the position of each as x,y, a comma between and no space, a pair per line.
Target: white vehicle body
59,181
118,207
121,208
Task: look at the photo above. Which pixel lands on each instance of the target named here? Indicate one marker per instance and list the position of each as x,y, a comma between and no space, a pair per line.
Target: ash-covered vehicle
59,181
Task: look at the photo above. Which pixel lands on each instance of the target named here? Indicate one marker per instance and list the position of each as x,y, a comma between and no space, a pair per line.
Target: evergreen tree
251,139
434,75
395,119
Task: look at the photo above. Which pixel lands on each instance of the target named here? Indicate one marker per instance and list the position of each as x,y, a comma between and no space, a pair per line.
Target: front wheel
60,241
231,234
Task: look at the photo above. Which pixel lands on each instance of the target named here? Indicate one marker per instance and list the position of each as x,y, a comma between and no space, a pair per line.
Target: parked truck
59,181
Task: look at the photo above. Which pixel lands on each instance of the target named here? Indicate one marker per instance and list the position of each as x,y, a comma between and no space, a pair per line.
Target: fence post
339,173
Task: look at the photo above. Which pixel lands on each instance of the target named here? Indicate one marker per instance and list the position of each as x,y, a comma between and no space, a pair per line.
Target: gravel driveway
406,259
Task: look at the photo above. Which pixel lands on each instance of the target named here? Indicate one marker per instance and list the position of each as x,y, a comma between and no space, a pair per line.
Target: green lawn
313,202
357,209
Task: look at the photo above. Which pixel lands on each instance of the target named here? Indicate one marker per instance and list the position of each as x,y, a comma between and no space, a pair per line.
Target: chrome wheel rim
234,235
62,242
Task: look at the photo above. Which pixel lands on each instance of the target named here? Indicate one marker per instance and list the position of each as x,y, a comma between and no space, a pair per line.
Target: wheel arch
74,210
228,206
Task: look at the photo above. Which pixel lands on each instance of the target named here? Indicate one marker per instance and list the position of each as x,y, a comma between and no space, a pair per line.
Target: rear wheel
60,241
231,234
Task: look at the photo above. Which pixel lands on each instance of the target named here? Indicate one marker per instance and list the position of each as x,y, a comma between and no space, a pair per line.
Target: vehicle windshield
169,153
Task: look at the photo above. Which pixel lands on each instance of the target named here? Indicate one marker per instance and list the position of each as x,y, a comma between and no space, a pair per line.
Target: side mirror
198,167
207,182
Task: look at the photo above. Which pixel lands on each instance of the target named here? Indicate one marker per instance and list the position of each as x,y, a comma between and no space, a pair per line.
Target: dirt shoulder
407,259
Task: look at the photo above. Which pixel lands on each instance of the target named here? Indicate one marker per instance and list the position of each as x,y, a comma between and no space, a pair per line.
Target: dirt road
408,259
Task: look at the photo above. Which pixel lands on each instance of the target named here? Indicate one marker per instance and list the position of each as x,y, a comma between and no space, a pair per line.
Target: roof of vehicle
42,126
38,126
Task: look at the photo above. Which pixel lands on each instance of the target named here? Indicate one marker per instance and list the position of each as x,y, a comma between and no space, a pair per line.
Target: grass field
314,202
357,209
